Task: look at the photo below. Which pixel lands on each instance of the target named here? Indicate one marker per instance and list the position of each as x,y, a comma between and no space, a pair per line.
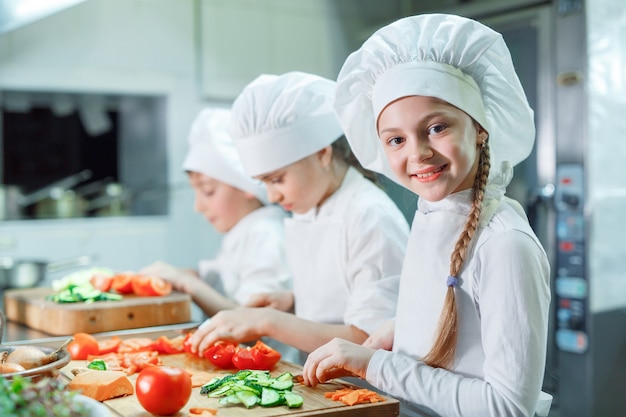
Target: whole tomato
163,390
221,354
82,346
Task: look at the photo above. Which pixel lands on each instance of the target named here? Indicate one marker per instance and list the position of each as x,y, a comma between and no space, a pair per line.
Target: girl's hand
279,300
337,358
236,325
382,338
180,279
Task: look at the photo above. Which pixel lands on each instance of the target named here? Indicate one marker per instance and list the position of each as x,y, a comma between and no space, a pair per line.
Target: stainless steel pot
56,200
27,273
10,208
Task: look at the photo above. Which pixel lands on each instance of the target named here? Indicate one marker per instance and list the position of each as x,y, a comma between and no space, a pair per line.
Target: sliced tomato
169,346
149,286
129,362
221,354
136,344
101,282
109,345
123,283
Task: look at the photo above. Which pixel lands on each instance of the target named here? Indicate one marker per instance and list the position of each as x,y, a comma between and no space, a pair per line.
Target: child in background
346,238
251,258
433,102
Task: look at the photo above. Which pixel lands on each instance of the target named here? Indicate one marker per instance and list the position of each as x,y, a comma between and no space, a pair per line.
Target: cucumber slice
293,400
282,385
247,398
230,399
211,385
287,376
222,391
270,397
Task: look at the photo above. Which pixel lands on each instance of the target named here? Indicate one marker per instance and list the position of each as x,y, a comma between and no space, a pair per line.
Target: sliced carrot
352,396
202,410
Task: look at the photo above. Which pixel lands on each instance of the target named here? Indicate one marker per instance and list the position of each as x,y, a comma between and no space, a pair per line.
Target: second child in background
345,241
251,258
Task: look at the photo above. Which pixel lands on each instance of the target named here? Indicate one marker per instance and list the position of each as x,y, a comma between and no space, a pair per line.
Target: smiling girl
434,103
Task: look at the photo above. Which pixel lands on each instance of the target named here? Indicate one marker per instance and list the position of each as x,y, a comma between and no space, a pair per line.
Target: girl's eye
273,180
436,129
209,193
395,141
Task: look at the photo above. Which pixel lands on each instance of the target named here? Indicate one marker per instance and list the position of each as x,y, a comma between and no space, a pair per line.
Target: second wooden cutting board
30,307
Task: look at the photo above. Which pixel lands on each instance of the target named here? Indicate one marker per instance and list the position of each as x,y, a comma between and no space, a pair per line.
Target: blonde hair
442,352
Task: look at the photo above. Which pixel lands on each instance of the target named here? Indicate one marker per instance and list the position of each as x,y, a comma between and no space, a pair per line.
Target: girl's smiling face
432,146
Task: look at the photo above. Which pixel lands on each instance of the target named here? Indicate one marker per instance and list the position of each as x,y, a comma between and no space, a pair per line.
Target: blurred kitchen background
97,97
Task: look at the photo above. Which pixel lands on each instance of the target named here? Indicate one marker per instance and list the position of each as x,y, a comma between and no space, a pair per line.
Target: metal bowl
49,370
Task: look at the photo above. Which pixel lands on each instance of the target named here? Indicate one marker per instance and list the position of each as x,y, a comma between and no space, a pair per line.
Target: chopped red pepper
260,356
221,354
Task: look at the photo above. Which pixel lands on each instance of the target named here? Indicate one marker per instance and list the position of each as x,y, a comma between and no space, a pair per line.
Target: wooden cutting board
315,404
30,308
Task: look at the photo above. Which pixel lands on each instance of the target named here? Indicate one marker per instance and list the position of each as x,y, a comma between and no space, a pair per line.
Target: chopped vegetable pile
77,287
250,387
20,397
82,294
352,396
103,284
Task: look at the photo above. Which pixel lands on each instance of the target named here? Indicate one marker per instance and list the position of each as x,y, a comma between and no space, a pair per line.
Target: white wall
124,46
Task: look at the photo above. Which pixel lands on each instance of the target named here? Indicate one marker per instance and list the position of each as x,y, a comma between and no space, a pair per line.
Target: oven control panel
571,285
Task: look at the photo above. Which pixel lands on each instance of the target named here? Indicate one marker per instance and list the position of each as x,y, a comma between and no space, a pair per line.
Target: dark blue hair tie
452,281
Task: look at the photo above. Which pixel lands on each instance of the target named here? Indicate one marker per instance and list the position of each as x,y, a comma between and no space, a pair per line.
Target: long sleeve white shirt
356,238
503,301
251,258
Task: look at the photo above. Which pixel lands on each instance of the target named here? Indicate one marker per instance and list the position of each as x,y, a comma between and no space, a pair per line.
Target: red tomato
148,286
260,356
101,282
122,283
221,354
82,346
109,345
163,390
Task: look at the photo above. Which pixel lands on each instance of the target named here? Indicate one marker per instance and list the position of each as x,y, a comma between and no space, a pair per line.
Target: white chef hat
280,119
212,152
455,59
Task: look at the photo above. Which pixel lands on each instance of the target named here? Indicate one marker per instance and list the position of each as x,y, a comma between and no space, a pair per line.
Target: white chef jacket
503,301
251,258
339,250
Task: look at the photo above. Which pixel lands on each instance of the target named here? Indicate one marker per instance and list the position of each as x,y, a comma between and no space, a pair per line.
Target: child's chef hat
212,152
455,59
278,120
